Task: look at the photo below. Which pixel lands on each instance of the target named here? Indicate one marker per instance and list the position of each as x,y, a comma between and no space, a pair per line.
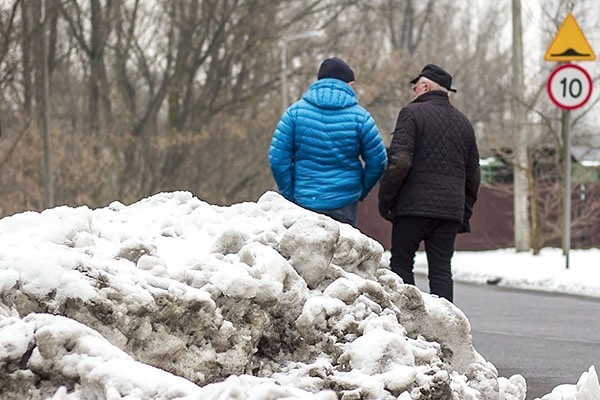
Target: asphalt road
550,339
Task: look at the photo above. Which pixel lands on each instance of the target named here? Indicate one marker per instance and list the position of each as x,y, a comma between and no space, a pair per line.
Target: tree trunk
42,96
26,51
52,8
98,84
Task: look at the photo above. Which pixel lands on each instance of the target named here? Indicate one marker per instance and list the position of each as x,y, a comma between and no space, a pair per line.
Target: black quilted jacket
433,163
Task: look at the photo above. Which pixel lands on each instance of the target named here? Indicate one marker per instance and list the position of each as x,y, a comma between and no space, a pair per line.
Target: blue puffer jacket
317,147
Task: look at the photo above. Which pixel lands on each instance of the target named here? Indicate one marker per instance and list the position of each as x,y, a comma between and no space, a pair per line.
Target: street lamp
283,43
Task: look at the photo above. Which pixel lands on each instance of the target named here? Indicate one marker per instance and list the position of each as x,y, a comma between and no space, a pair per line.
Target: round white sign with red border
569,86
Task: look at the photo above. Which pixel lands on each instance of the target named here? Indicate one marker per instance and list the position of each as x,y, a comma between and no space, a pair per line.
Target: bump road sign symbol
569,86
570,43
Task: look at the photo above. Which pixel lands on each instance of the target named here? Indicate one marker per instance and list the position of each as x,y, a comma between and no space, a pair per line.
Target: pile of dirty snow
172,297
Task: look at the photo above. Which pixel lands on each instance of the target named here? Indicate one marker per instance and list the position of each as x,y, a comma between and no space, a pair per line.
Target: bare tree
42,88
93,44
26,52
6,29
184,95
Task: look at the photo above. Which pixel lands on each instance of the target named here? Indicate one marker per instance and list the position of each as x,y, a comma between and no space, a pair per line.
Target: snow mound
587,388
172,297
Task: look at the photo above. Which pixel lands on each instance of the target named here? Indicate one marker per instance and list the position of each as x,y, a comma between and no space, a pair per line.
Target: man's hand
465,227
386,211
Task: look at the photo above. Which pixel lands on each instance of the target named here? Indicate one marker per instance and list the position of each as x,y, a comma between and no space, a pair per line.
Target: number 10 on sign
569,86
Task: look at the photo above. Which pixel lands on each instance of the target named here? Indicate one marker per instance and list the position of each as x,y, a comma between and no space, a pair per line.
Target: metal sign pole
569,44
567,208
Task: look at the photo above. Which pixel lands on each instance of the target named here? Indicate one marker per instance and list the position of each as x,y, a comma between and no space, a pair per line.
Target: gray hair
434,85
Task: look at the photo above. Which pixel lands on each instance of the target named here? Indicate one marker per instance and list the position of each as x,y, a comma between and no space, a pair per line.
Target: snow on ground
174,298
546,271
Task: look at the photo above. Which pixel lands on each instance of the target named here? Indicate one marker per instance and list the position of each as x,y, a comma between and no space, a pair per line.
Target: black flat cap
436,74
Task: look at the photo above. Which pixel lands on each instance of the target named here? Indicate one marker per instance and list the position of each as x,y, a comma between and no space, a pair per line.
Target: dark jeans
347,214
438,235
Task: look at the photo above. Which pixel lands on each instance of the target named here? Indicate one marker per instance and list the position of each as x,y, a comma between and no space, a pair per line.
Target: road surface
550,339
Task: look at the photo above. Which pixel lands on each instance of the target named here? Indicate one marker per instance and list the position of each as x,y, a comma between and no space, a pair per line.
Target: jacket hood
330,93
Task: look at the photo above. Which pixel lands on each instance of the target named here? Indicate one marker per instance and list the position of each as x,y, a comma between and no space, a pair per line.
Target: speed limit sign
569,86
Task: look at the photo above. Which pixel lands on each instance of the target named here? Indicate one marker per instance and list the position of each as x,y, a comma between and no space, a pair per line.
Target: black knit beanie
336,68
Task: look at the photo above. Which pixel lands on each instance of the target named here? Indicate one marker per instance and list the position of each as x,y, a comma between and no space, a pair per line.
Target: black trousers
439,236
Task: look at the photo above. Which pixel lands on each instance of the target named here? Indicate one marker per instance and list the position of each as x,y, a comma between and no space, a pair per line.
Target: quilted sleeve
400,158
374,155
471,183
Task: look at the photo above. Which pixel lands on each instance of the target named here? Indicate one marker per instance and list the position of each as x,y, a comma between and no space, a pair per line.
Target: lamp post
283,43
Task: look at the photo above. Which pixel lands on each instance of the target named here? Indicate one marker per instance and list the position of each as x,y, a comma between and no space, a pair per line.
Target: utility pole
521,164
283,44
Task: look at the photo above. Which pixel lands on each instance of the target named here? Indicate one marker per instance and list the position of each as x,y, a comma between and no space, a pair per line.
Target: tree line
104,100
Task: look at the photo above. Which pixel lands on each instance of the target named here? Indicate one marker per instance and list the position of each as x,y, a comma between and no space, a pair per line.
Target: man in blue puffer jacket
326,153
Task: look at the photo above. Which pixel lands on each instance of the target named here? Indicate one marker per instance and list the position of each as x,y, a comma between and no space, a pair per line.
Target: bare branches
184,95
6,28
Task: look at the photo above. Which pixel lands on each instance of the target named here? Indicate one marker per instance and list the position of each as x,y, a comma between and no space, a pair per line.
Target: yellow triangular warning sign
570,43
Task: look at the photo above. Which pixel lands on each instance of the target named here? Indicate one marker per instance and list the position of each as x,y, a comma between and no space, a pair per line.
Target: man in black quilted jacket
430,185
